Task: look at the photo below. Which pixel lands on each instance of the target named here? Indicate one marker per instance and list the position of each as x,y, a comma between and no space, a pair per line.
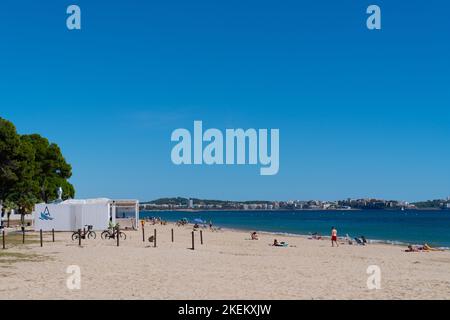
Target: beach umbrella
199,221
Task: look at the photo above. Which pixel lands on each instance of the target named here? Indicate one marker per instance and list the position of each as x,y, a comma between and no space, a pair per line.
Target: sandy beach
227,266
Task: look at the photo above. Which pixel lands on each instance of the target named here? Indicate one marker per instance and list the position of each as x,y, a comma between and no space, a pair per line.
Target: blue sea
408,227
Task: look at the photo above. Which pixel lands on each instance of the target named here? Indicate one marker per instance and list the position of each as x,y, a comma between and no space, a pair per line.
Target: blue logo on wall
46,215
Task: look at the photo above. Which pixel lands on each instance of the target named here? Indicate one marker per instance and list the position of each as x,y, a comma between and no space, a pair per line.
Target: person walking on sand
334,237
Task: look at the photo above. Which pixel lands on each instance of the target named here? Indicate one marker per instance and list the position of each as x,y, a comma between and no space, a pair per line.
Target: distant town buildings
347,204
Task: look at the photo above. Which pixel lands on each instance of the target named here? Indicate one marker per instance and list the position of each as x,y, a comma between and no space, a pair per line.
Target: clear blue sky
361,113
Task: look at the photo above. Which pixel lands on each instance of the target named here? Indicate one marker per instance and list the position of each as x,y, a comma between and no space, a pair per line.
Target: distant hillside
435,204
171,201
185,202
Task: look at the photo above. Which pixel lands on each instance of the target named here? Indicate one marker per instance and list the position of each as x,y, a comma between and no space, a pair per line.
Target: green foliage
432,204
9,150
184,202
51,169
172,201
31,169
8,205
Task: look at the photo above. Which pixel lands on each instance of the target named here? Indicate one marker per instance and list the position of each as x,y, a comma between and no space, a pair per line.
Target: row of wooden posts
144,239
41,236
118,238
173,237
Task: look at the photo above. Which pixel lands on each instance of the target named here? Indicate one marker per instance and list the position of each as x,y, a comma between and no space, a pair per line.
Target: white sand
227,267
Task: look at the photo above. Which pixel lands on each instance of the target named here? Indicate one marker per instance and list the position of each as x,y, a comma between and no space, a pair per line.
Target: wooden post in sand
40,235
201,237
173,237
53,235
154,240
193,240
143,234
118,237
3,239
79,237
23,235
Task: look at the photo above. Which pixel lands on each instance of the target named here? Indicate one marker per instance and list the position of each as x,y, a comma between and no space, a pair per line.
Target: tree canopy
31,169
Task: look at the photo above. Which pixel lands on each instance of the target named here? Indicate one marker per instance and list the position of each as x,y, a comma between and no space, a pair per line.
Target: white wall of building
72,216
55,216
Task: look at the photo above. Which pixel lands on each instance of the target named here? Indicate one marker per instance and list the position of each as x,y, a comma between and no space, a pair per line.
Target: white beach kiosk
72,215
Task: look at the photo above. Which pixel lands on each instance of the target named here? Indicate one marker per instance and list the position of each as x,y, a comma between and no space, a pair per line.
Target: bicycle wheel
105,235
75,236
122,236
92,235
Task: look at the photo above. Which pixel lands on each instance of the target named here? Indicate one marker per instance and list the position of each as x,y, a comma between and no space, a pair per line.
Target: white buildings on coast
347,204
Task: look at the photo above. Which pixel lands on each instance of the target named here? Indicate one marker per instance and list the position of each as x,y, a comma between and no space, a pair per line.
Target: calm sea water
410,226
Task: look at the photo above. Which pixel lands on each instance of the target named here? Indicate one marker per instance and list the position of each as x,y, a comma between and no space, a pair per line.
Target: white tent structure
71,215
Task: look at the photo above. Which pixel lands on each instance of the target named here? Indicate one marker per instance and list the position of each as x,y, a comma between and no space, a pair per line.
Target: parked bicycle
85,234
112,234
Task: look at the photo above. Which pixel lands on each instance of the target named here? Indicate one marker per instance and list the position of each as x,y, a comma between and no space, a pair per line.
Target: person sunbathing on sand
316,236
412,249
255,236
426,247
279,244
348,239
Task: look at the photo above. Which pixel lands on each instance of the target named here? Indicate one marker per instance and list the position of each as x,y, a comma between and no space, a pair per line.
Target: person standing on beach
334,237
